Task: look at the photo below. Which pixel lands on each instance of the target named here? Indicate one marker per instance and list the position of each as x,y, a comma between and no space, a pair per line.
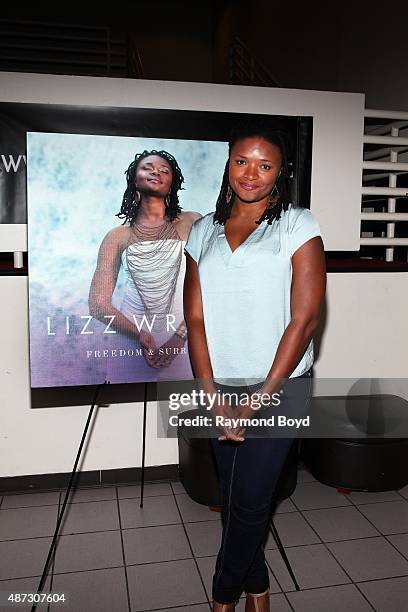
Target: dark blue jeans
248,473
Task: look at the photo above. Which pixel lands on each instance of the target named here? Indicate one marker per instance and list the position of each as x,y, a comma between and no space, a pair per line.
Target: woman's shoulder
119,232
204,221
201,230
187,217
299,226
117,236
200,233
295,217
184,222
190,215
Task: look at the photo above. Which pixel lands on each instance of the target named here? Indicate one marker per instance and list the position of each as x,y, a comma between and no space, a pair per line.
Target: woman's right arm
197,342
104,282
194,318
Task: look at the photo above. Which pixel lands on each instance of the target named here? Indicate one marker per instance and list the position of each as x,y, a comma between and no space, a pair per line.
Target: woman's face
154,176
254,167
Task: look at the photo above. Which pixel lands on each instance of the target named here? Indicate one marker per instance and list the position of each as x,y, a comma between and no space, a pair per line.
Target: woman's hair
275,136
130,206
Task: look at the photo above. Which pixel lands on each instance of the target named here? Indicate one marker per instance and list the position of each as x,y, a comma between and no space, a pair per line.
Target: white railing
392,138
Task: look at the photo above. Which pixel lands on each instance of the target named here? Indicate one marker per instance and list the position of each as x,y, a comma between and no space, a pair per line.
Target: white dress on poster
127,363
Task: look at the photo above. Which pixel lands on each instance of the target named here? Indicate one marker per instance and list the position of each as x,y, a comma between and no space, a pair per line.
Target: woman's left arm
307,294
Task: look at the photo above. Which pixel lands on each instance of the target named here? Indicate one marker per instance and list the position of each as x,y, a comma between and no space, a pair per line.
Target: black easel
72,477
67,494
282,551
143,442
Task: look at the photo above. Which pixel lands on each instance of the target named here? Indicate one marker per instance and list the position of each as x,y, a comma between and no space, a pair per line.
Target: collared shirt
246,293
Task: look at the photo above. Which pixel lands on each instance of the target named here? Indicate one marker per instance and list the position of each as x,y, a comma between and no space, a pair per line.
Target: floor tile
334,598
367,497
177,487
279,603
22,585
169,584
23,558
23,523
400,542
304,475
315,495
346,523
404,491
206,566
388,517
369,559
88,551
88,495
161,510
279,570
313,566
155,544
270,542
205,537
90,516
30,499
97,591
286,505
293,530
150,490
192,511
387,595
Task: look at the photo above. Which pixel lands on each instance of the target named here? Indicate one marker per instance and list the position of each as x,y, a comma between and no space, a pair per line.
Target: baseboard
95,478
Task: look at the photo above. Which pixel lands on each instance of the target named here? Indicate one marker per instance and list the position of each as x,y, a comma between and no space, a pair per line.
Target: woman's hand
247,411
243,412
222,408
175,343
148,344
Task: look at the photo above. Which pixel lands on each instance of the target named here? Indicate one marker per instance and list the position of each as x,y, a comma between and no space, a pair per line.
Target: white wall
365,335
365,326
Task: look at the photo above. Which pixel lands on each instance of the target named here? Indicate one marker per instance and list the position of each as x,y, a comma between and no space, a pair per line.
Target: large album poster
101,308
75,188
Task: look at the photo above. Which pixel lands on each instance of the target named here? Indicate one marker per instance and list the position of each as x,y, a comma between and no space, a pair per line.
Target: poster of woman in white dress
106,254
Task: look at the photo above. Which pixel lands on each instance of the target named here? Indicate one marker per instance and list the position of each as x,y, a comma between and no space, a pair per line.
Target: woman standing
149,246
254,285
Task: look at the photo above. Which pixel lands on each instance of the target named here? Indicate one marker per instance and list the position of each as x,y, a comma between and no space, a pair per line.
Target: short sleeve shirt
246,293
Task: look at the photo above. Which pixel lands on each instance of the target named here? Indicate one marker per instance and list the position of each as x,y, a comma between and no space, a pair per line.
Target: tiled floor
348,552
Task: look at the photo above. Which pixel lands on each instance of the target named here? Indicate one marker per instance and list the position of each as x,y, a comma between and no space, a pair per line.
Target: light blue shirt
246,293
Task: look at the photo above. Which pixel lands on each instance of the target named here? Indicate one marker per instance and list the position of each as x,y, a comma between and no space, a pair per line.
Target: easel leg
143,442
67,494
283,552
